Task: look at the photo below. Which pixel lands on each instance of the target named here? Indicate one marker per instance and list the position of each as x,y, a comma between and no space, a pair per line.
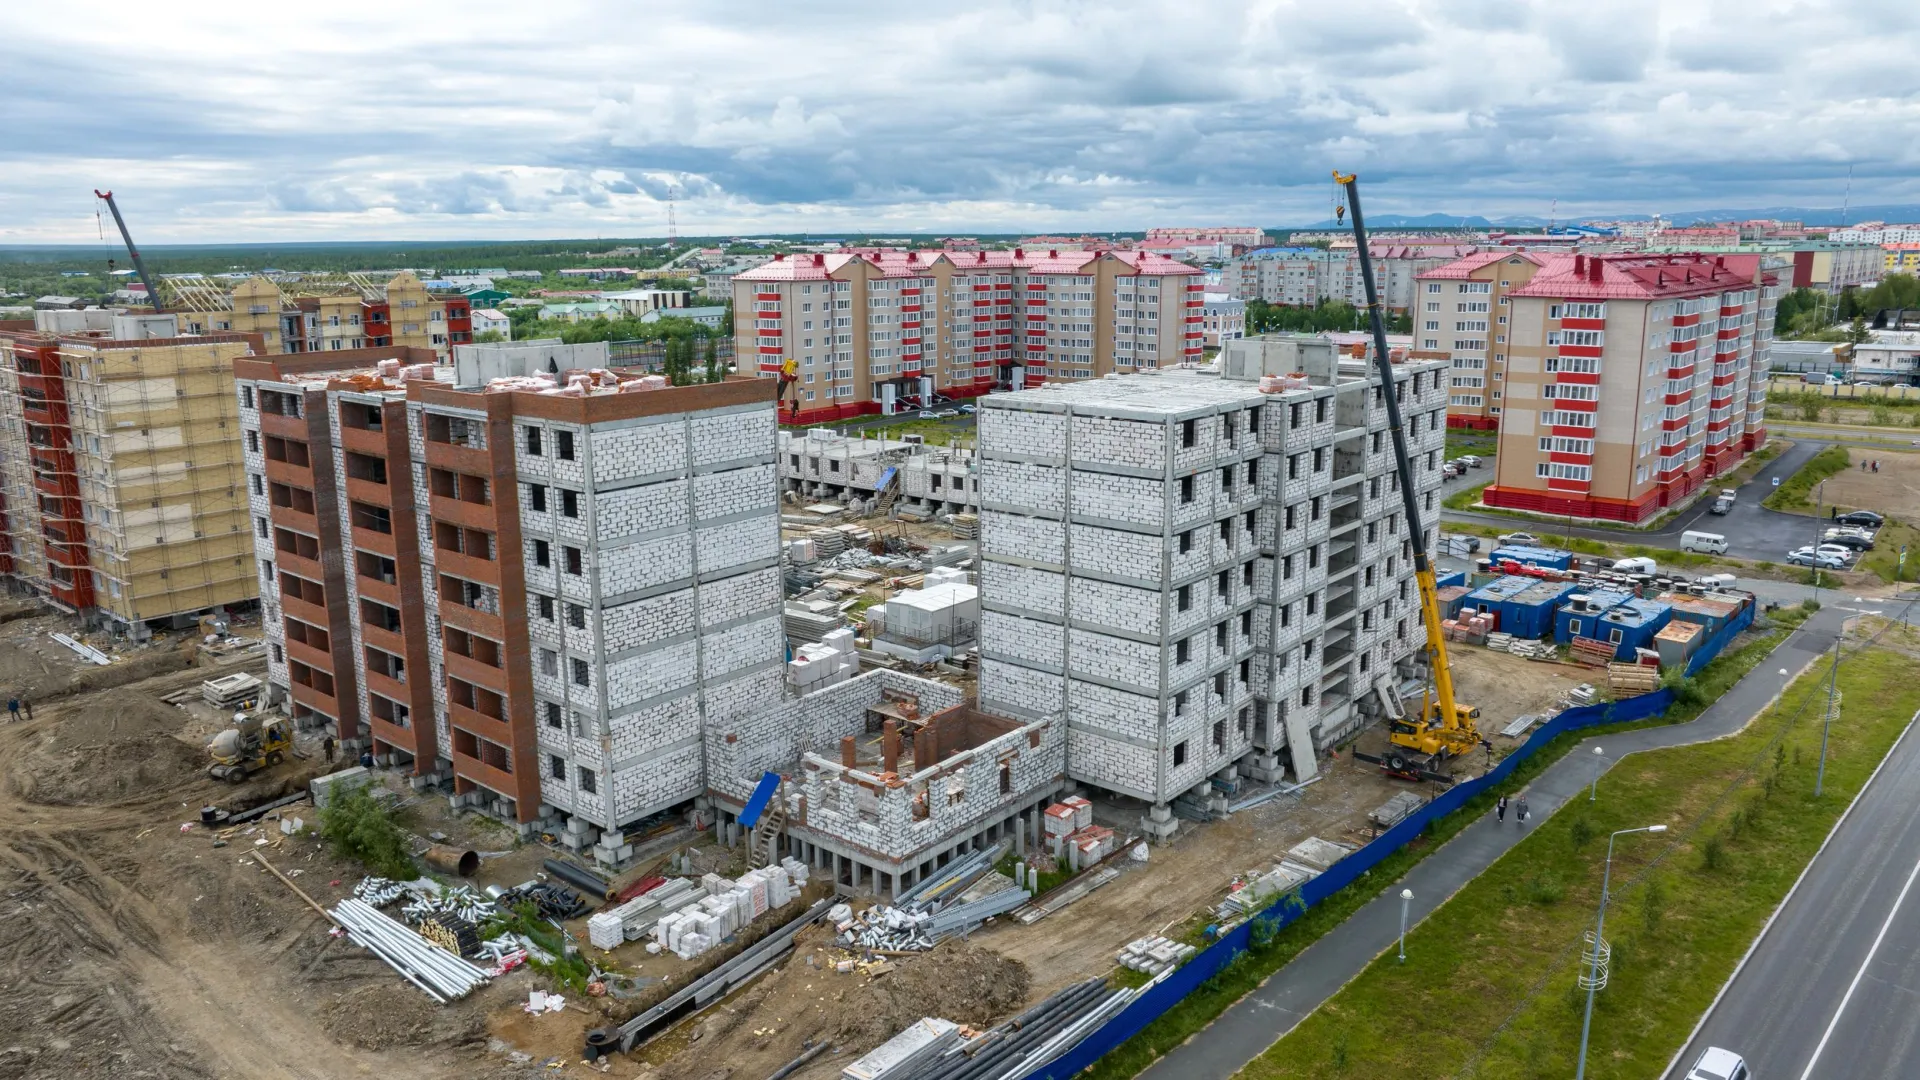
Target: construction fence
1215,958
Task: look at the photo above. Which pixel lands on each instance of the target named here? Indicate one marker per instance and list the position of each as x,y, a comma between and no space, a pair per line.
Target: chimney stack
926,748
848,756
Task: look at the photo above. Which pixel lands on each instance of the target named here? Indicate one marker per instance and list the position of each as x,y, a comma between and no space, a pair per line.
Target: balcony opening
385,663
311,636
373,470
456,431
289,451
300,588
379,616
452,485
378,567
375,518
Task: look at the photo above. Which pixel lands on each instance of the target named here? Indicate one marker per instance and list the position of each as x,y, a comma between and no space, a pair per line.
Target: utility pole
1406,897
1833,681
1599,955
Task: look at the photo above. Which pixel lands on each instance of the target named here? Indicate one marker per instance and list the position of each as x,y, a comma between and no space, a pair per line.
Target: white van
1636,566
1705,543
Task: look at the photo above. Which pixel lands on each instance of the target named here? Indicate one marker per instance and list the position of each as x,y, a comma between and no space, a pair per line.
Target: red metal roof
1463,268
893,262
1640,277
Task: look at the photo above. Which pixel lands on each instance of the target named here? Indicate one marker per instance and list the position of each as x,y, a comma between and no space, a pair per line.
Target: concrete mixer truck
254,742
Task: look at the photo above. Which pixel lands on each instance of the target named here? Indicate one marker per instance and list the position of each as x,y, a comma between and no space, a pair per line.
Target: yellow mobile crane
1445,728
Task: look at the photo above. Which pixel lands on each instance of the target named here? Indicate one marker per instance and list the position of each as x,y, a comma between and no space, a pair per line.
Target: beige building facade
1631,381
1462,311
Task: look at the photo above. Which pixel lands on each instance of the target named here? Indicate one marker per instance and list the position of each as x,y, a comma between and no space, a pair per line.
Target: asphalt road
1752,530
1837,973
1258,1020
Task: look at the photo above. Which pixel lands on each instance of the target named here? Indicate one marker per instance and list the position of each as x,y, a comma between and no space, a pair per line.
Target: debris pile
954,900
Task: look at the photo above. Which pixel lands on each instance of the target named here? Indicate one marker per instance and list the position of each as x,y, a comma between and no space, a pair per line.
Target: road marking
1858,975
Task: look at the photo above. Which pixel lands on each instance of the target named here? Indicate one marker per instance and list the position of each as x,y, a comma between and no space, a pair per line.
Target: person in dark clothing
13,709
326,744
1500,808
1520,808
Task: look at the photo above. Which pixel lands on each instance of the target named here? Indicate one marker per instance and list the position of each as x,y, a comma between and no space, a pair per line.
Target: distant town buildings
1224,318
875,331
492,320
1305,276
357,314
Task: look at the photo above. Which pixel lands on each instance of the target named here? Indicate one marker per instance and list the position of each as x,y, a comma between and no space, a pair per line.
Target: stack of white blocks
727,906
637,917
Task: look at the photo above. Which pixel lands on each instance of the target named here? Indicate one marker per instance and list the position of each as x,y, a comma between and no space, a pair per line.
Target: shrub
1713,852
1545,891
364,828
1580,832
1809,605
1653,905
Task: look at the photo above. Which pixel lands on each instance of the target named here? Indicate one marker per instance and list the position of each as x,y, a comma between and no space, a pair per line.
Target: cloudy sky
352,119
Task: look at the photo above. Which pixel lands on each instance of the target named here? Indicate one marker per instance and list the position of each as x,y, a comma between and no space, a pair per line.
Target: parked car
1730,494
1637,565
1720,506
1469,544
929,414
1449,471
1807,556
1718,1064
946,413
1843,553
1519,539
1471,461
1865,518
1717,581
1856,539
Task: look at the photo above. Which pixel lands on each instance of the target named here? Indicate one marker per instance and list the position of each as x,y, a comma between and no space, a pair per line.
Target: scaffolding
156,440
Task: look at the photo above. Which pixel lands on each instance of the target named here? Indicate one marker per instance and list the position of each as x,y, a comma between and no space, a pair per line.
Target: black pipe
1035,1027
791,1067
580,878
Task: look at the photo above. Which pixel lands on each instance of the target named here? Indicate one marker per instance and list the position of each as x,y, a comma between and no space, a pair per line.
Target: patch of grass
1481,443
569,971
1465,498
1884,560
1491,974
1795,494
1199,1008
1048,881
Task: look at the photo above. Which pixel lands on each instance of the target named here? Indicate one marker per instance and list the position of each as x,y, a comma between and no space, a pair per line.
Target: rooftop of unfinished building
1169,392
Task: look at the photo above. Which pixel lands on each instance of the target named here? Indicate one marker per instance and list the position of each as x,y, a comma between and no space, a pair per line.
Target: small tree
361,827
713,359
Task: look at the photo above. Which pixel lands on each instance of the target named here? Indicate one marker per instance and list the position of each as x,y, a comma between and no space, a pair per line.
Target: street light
1833,679
1406,897
1596,977
1819,498
1599,762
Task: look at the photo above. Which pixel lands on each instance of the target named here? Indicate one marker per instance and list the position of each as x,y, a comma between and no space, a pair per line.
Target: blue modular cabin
1548,558
1523,606
1619,619
1458,577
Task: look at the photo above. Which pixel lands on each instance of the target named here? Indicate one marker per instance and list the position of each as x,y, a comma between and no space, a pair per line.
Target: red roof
1463,268
1640,277
893,262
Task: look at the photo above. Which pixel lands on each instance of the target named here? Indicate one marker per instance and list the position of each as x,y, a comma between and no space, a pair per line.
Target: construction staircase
889,490
764,848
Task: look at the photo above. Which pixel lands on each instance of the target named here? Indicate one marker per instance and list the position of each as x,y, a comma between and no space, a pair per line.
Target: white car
1519,539
1471,461
1718,1064
929,414
1807,556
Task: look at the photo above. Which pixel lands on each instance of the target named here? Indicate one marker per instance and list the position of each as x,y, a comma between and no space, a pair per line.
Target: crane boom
1456,731
139,264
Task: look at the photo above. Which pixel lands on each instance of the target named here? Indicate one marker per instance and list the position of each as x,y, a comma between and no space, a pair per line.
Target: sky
357,120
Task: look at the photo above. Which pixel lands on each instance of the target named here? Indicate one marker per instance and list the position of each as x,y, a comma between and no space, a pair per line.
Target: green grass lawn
1488,989
1461,441
1199,1008
1795,495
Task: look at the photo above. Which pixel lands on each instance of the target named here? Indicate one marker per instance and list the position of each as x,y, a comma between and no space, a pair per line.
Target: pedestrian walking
1500,808
1520,808
13,710
27,705
326,744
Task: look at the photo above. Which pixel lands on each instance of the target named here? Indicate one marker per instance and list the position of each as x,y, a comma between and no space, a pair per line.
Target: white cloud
231,122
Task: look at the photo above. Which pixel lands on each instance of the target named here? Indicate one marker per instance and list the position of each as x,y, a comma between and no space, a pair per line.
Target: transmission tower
673,227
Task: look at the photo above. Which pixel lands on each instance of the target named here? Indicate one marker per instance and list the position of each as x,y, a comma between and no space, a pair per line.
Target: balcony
471,619
462,513
467,669
285,427
367,491
73,556
375,541
478,723
479,571
369,441
386,686
301,566
310,656
286,472
381,638
304,610
316,700
459,458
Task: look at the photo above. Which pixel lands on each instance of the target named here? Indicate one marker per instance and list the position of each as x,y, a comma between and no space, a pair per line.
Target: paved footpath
1259,1019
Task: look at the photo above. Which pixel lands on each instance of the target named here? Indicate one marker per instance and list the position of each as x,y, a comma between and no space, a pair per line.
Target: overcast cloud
381,120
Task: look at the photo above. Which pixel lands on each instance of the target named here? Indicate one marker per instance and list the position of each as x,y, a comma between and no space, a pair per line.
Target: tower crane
1446,727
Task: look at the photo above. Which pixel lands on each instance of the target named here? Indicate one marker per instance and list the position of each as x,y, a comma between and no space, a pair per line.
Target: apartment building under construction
120,473
328,314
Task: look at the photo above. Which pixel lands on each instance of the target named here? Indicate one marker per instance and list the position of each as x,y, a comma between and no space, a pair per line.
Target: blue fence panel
1210,961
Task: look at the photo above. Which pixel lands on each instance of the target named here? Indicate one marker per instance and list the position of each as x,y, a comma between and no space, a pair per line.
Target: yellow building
1901,258
157,447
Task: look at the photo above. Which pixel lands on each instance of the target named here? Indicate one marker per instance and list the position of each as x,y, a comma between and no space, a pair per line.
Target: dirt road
136,950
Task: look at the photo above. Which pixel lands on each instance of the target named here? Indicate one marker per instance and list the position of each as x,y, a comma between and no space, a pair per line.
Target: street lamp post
1595,977
1599,762
1406,897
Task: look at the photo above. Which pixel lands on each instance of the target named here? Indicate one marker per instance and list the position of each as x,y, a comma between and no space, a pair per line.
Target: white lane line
1858,975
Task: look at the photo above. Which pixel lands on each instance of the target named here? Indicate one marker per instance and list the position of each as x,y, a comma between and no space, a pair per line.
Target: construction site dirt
140,948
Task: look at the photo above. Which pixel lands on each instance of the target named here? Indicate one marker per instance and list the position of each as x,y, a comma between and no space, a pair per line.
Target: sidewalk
1258,1020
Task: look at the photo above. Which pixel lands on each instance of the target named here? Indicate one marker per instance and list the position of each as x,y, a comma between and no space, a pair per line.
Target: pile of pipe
1026,1043
555,902
461,903
442,975
380,891
939,906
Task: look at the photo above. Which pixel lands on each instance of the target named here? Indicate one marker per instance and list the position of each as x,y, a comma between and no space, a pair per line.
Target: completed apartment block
120,478
1306,276
875,331
1631,380
1197,572
1463,312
